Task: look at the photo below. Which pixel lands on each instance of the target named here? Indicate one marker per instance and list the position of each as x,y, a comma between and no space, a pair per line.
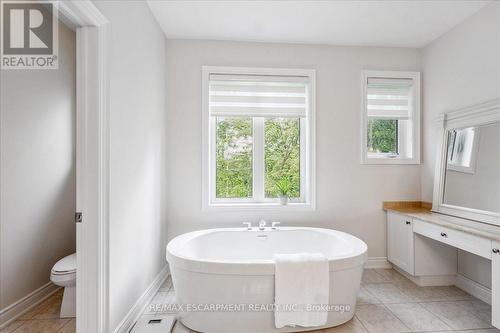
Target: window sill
267,206
388,160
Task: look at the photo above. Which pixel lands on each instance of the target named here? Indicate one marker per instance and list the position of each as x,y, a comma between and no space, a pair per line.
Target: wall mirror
467,180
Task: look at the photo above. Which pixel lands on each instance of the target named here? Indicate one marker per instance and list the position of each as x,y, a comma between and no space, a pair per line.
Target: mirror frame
475,115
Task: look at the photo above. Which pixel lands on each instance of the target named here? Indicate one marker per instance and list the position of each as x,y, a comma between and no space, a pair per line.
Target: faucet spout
262,225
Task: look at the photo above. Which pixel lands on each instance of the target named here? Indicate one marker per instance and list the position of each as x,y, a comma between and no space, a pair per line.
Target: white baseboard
470,286
28,302
377,262
429,280
435,281
475,289
135,312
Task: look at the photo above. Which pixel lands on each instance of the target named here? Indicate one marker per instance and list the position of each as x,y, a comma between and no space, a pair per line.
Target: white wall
37,196
460,68
137,156
349,195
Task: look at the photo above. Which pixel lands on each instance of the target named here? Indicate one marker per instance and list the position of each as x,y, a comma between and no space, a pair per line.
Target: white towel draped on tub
299,280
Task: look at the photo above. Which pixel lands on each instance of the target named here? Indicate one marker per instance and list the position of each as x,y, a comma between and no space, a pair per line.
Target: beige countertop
471,227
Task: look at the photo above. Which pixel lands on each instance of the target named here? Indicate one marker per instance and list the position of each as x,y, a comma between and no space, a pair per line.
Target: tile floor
43,319
390,303
387,303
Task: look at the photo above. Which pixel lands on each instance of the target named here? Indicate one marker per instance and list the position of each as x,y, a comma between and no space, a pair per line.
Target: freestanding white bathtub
224,278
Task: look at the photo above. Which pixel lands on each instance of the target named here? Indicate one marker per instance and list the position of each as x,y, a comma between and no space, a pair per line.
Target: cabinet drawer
467,242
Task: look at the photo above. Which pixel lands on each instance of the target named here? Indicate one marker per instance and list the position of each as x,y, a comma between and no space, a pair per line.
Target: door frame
92,162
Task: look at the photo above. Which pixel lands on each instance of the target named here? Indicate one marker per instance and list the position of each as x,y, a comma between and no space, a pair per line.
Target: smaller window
391,117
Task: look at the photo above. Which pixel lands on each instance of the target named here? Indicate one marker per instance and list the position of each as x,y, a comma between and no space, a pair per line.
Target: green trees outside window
383,136
234,157
282,156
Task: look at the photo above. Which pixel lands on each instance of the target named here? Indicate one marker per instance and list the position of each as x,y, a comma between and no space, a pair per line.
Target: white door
92,184
400,241
92,199
495,285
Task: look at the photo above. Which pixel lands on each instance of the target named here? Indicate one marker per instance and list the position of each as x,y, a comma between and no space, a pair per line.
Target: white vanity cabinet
495,284
400,241
411,252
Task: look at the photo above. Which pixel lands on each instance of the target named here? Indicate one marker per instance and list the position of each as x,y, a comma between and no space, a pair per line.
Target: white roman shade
389,98
258,95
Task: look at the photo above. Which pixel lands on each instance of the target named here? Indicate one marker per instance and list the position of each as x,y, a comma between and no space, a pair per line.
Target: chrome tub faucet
262,225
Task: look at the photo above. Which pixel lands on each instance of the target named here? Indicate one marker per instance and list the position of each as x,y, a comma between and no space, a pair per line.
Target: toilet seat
63,280
64,271
66,265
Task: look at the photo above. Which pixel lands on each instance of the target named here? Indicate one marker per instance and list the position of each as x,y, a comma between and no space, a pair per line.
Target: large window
259,131
391,117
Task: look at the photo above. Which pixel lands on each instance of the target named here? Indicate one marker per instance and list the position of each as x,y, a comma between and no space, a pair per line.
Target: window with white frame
391,117
259,137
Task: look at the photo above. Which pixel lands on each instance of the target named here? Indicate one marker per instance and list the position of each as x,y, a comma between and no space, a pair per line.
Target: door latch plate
78,217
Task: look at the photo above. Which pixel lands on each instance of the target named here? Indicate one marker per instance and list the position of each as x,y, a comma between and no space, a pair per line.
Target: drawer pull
496,251
408,222
443,234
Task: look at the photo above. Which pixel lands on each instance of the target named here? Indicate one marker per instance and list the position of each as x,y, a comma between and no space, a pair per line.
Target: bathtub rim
262,267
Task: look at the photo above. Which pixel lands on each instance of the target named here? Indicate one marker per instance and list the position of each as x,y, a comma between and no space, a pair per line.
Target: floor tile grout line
21,326
395,315
370,293
435,315
470,313
355,316
42,319
63,326
419,301
467,297
409,329
422,301
377,273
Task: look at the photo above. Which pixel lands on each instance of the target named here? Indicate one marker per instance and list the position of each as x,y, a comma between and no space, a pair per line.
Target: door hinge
78,217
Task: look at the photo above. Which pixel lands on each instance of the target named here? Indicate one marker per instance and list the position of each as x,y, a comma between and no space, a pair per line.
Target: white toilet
64,274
